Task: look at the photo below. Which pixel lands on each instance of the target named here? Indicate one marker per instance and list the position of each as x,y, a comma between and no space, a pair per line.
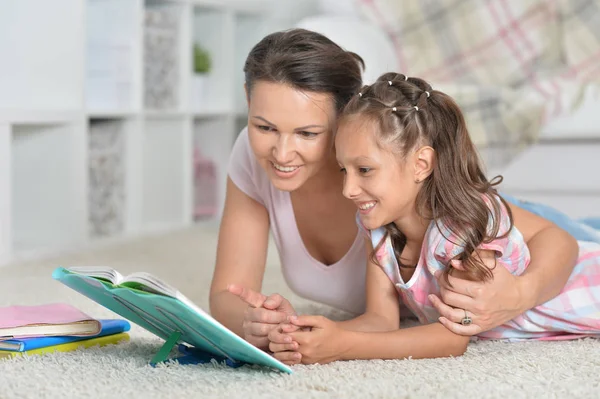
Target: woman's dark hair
408,114
307,61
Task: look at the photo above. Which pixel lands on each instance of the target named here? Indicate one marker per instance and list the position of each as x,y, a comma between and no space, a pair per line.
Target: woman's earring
417,181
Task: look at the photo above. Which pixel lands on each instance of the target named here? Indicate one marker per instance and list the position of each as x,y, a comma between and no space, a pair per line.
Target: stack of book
55,327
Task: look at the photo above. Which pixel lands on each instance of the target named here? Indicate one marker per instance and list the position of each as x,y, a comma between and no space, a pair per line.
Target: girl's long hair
455,192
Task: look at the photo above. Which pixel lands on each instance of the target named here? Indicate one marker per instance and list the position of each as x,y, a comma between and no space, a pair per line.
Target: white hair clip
394,109
417,108
360,94
390,82
427,94
405,77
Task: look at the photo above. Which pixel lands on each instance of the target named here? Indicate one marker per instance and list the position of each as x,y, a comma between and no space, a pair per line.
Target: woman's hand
264,313
488,304
319,340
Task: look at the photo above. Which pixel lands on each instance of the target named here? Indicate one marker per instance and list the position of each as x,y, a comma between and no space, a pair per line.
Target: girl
427,208
284,180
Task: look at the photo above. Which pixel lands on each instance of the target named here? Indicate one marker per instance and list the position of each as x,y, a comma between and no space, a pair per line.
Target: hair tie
427,94
417,108
394,109
405,77
390,82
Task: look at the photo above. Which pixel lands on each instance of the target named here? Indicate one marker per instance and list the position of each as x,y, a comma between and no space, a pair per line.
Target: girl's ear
424,163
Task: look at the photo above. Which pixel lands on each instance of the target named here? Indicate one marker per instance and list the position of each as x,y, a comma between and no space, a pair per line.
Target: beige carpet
186,258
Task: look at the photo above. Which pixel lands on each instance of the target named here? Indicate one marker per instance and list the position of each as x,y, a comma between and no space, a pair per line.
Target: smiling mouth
284,169
365,206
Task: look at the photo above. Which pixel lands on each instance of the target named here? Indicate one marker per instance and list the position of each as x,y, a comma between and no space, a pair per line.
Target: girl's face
381,185
290,132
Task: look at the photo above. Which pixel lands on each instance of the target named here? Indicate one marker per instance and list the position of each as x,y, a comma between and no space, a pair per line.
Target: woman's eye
307,134
266,128
364,170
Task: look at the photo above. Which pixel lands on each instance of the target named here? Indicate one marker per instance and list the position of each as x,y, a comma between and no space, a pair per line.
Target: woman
284,178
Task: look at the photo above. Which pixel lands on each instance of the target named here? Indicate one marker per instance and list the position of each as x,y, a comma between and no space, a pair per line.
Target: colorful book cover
71,346
109,327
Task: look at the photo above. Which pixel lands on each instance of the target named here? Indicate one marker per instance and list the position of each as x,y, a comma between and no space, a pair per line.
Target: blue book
109,327
164,311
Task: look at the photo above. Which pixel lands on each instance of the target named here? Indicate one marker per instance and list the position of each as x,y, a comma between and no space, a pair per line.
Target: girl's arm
421,342
382,311
326,341
553,256
373,335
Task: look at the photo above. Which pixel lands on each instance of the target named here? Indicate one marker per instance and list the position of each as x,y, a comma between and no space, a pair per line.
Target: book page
101,272
150,282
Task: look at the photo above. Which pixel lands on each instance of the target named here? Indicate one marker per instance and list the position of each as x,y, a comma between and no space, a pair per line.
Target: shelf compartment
212,142
166,169
47,187
212,31
164,24
107,177
249,30
42,54
112,55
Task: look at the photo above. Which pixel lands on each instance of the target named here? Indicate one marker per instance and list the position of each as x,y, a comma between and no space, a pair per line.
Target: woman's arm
553,252
553,255
241,257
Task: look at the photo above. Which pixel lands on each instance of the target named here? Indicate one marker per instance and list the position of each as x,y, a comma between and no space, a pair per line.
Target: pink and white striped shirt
574,313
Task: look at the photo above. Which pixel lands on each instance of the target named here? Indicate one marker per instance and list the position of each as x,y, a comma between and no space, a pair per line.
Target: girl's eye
266,128
364,170
307,135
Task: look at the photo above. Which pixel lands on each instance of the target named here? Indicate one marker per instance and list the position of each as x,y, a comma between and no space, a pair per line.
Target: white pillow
359,36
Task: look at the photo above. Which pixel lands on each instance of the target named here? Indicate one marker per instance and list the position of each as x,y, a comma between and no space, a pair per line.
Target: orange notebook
46,320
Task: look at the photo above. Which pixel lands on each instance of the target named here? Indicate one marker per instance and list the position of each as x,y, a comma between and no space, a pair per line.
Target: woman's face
290,132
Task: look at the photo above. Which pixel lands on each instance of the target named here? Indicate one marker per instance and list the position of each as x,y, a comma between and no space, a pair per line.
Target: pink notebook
57,319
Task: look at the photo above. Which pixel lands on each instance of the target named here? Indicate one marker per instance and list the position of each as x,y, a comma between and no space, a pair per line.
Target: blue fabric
580,229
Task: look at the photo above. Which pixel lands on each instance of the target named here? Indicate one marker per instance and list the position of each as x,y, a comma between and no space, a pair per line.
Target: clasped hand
270,323
263,314
307,340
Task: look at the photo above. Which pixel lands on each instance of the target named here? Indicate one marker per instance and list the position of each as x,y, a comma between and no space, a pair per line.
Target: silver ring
466,321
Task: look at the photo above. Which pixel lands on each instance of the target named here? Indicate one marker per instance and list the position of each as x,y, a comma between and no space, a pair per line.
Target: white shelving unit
98,133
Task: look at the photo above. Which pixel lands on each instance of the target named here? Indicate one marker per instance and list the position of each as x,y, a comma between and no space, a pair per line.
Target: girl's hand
282,344
264,313
488,304
324,342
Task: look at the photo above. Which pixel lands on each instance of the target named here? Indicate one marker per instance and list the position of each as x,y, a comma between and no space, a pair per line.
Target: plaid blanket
512,65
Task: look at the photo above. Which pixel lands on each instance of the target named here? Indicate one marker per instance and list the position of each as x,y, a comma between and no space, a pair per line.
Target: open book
139,280
164,311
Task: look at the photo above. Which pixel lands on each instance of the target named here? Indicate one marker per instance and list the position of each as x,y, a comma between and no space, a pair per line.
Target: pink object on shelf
205,186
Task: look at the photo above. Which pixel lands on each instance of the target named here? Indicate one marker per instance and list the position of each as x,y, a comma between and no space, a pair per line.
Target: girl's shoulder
445,242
